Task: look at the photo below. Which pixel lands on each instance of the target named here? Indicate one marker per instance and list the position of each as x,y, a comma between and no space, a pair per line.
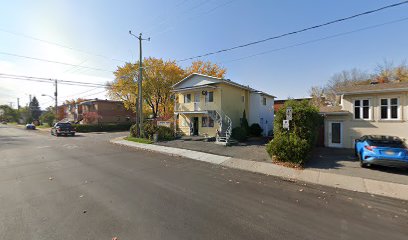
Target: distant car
62,128
30,126
3,122
381,150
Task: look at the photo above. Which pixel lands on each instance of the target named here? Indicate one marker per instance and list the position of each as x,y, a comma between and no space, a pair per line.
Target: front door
335,134
195,126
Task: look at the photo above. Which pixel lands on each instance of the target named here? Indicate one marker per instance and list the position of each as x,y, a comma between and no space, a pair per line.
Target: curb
356,184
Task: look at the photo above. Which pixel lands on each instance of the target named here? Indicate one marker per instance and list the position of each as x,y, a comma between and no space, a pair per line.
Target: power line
296,32
49,80
317,40
59,45
52,61
80,93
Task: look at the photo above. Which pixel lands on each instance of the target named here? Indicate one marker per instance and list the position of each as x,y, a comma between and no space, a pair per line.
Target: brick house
99,111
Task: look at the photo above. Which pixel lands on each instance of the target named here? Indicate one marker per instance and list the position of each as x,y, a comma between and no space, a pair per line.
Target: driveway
253,149
343,161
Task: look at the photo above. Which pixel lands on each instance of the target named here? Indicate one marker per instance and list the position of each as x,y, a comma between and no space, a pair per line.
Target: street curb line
357,184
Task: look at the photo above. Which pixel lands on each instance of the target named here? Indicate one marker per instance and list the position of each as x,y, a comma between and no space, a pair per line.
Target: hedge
296,145
101,127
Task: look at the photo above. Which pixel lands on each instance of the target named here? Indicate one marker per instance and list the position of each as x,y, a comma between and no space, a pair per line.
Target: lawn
139,140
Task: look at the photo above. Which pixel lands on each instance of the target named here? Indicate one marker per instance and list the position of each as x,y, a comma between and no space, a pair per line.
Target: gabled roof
374,88
209,80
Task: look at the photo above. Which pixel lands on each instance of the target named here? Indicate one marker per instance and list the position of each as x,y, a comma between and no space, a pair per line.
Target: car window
64,124
387,143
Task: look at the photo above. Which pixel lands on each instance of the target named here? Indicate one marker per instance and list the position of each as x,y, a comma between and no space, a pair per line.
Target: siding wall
355,128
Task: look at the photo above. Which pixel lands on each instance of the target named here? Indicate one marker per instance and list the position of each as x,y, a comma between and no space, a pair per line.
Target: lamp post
56,106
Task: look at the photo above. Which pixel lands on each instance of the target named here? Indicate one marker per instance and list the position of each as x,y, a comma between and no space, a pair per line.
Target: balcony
196,107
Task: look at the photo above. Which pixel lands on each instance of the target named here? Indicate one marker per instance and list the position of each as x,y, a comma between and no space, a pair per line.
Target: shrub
149,128
303,132
165,133
133,131
239,133
255,130
244,122
292,149
101,127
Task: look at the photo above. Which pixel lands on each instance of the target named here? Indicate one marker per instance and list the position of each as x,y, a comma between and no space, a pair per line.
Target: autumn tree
206,68
124,87
317,95
158,81
158,78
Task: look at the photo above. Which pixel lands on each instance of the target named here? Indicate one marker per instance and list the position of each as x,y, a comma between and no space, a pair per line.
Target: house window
187,98
362,109
204,122
264,101
209,97
210,122
207,122
243,98
389,108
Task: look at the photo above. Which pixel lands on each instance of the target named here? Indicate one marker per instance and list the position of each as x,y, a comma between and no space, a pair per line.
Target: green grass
139,140
43,126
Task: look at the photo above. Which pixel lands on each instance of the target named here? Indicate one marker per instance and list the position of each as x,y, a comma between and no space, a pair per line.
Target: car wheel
362,164
73,134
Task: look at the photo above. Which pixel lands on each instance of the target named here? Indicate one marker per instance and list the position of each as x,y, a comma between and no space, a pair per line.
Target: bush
239,133
101,127
244,122
133,131
165,133
149,128
255,130
294,149
303,132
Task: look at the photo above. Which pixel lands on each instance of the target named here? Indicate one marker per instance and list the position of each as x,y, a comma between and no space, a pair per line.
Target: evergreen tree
35,110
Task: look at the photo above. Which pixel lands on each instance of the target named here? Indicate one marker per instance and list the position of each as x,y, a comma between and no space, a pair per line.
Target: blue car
381,150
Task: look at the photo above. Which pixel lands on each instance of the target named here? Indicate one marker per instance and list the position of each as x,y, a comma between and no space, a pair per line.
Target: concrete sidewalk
358,184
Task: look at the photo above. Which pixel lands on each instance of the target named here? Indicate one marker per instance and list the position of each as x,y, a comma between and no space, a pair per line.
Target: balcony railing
196,107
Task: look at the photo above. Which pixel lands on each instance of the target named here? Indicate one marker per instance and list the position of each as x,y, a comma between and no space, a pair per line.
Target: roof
282,101
332,110
227,81
374,88
99,100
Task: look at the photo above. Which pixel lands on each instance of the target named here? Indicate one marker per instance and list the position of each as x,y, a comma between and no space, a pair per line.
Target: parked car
62,128
30,126
3,122
381,150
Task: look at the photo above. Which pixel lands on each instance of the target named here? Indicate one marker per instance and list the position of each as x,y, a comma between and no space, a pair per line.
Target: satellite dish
204,92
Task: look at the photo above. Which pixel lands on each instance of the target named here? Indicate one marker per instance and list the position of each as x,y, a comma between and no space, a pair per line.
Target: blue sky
185,28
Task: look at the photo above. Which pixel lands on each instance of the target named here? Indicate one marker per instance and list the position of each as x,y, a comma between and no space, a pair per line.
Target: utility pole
140,79
56,100
18,103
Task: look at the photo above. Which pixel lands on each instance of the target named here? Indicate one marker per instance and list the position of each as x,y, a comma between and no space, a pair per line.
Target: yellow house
376,109
210,106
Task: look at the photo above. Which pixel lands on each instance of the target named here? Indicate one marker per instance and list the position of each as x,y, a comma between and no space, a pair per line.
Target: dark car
30,126
63,129
381,150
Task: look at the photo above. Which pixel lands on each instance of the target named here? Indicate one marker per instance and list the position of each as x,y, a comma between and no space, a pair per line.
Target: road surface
86,188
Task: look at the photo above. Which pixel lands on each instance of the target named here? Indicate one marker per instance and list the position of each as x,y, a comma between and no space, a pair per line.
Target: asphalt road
86,188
